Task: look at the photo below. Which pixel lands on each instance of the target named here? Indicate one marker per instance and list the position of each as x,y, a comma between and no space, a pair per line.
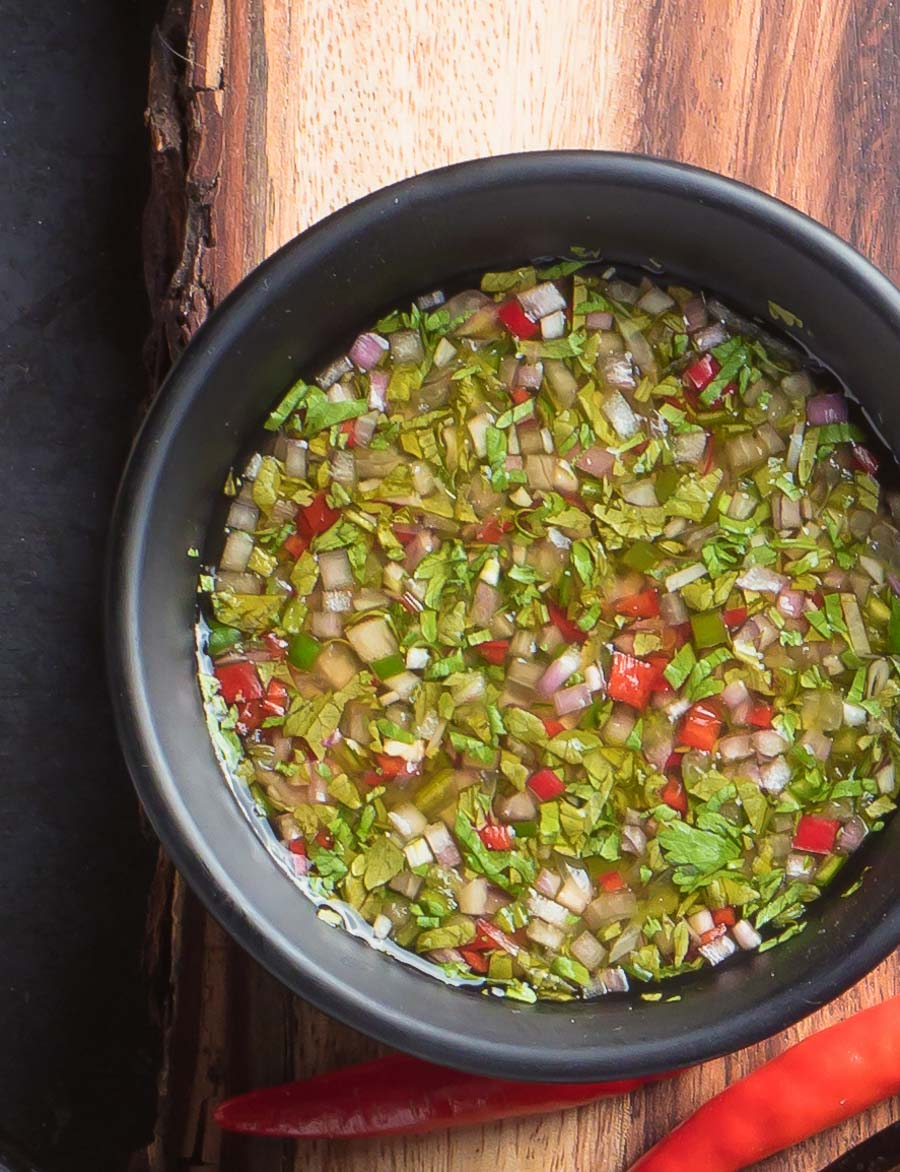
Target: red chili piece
725,915
821,1081
545,785
639,606
553,727
611,881
494,651
399,1095
295,545
276,701
520,395
570,631
631,680
675,795
700,728
491,530
239,681
735,618
495,837
316,517
517,320
701,372
816,834
761,715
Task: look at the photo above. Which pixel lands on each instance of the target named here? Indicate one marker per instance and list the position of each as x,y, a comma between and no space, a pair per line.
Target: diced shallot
548,935
334,567
572,699
735,694
442,845
768,743
597,462
473,897
618,411
546,909
518,807
823,409
761,579
851,835
735,748
718,950
547,883
774,775
541,300
709,336
575,893
237,551
558,672
746,935
368,350
378,385
791,603
588,949
243,515
408,820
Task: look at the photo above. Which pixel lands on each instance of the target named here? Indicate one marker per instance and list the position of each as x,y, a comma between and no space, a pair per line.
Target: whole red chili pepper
822,1080
398,1095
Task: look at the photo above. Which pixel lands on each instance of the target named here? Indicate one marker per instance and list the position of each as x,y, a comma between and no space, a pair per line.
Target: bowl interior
291,315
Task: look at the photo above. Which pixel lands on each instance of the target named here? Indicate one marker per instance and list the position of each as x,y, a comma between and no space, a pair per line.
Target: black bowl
289,316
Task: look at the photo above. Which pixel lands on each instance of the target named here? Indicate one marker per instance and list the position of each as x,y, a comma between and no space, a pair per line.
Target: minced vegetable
558,626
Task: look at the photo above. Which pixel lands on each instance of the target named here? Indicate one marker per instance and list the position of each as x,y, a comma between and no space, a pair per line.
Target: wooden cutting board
266,115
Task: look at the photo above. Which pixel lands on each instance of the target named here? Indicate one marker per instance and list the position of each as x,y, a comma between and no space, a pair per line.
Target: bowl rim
156,783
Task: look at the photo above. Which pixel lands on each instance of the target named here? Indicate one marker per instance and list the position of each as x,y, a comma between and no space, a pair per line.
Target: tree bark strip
264,116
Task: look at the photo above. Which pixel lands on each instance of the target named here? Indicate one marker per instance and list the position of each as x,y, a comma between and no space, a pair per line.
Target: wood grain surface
264,116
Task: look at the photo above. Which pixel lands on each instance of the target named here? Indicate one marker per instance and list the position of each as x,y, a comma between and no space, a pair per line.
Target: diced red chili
491,530
553,727
631,680
709,452
700,728
570,631
391,766
406,533
639,606
517,320
611,881
701,372
674,795
484,929
496,837
276,701
816,834
660,684
294,545
545,784
324,839
316,517
276,647
760,715
239,681
725,915
250,716
476,962
520,395
864,459
494,651
299,855
735,617
348,428
711,934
